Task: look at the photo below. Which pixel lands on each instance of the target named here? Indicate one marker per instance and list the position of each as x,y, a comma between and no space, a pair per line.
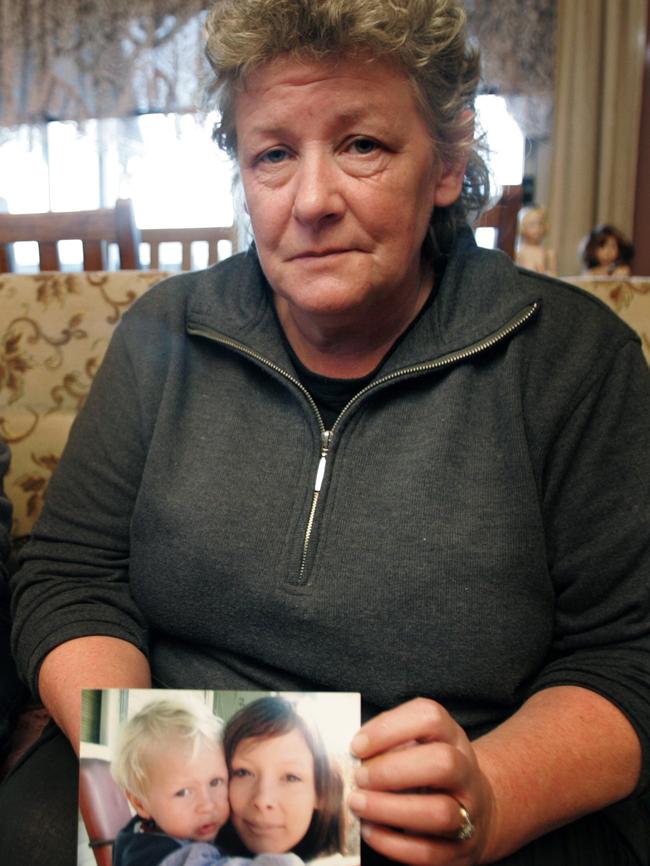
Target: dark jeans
38,805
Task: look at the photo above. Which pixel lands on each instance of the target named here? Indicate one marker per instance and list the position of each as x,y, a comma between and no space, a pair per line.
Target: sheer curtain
599,75
80,59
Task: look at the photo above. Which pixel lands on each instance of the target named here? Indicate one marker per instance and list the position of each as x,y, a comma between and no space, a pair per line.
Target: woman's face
340,178
272,792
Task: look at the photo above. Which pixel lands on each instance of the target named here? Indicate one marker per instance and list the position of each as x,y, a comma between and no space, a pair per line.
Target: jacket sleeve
74,577
596,502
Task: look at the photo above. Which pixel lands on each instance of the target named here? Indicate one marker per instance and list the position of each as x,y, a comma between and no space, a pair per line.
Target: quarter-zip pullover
473,527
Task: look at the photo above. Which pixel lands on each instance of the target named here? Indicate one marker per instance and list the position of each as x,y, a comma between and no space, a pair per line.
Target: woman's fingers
418,720
420,786
437,766
419,850
432,815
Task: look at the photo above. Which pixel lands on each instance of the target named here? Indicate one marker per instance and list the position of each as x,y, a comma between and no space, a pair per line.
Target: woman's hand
418,769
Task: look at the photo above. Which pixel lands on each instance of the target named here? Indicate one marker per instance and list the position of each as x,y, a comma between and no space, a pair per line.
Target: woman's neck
349,347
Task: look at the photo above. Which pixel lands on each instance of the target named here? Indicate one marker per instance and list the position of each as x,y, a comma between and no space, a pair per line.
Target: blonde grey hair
152,728
427,37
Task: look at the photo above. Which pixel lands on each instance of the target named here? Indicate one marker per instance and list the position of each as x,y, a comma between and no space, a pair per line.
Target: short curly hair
427,37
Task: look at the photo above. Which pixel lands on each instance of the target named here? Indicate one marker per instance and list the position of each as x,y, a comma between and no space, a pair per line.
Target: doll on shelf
607,252
530,252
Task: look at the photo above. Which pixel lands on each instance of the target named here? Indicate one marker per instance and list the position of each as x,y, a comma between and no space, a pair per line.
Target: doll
530,253
606,252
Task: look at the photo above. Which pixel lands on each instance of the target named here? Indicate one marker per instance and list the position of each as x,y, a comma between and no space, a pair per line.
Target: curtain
598,95
517,42
79,59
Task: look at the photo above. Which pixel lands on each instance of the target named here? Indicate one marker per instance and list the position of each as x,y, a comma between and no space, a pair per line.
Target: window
167,165
506,146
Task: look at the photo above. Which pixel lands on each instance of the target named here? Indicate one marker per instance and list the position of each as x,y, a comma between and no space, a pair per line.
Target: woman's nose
264,796
317,197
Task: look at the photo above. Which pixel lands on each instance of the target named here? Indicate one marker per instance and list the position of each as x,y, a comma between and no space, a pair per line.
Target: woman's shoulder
176,291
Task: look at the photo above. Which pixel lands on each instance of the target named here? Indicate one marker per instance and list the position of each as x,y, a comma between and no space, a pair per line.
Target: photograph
216,778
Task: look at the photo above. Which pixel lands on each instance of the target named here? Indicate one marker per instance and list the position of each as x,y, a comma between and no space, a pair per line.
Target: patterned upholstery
627,296
54,331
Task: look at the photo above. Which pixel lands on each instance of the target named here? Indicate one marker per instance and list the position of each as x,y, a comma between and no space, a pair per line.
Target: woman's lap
38,820
591,841
38,805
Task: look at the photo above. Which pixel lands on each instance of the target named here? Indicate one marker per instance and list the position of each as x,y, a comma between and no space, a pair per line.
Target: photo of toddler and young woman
229,778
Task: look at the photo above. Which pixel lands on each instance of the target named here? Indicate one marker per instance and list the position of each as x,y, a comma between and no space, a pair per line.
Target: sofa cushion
54,333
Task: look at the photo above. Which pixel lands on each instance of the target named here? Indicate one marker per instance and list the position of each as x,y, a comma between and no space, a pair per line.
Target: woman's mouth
259,828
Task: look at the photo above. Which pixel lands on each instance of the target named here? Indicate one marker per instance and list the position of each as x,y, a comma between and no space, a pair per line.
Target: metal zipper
328,435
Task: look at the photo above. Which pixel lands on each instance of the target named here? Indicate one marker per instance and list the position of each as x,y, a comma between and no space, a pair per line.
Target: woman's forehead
287,90
287,72
290,743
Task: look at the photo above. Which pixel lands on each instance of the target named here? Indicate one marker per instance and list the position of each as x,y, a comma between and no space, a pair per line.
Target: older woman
366,455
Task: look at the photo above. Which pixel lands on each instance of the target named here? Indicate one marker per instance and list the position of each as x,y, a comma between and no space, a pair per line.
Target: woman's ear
450,184
139,805
450,181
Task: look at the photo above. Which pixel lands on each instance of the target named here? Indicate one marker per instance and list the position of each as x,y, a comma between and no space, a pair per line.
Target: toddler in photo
170,764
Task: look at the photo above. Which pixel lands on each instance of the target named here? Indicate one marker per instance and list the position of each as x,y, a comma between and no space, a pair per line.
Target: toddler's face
186,796
272,792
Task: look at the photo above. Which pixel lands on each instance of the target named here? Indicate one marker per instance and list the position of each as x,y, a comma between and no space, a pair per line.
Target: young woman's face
272,792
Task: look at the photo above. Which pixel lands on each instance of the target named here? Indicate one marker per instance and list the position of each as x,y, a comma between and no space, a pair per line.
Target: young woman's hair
153,727
597,237
427,38
272,717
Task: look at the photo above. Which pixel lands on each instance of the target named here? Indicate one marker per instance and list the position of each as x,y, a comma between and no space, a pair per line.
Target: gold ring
466,829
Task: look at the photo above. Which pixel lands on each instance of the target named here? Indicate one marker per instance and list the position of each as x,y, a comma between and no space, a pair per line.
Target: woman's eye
274,156
217,781
291,777
239,773
364,146
182,792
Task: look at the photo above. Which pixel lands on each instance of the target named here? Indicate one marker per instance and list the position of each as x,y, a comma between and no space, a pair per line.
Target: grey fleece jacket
480,532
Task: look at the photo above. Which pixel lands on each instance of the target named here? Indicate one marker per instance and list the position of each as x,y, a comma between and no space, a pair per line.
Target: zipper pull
320,472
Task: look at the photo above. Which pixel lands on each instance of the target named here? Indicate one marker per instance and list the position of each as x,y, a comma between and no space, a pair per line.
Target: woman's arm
566,752
87,663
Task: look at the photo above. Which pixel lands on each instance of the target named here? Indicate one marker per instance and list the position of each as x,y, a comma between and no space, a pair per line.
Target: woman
285,793
368,456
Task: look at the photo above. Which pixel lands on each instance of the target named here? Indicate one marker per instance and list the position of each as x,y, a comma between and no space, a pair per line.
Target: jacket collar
480,292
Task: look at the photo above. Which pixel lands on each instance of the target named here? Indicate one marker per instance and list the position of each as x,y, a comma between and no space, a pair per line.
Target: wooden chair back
186,237
94,228
503,218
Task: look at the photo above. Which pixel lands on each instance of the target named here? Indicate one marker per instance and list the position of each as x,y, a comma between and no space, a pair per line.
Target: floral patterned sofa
54,330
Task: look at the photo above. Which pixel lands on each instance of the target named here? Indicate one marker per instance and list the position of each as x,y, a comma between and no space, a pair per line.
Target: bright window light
167,165
505,140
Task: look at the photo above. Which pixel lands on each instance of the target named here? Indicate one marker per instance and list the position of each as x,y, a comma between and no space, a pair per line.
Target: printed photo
217,778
